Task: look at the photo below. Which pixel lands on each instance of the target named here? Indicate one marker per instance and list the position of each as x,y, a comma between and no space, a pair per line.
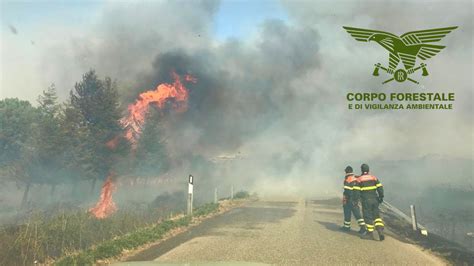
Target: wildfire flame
176,94
105,206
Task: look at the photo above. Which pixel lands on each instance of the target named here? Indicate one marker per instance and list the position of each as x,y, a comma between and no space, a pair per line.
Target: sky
234,18
27,14
237,18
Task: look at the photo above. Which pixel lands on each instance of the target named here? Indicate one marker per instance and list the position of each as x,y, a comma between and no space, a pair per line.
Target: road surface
290,232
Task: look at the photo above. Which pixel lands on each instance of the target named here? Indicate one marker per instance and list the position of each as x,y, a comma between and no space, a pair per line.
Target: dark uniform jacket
367,187
349,182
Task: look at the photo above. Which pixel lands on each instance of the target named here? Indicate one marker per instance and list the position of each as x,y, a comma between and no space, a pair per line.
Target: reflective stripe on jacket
350,181
367,186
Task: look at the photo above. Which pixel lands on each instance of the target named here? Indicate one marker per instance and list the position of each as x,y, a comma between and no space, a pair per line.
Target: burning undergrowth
45,236
106,205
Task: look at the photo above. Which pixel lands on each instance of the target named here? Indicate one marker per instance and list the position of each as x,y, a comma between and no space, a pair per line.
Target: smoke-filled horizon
276,98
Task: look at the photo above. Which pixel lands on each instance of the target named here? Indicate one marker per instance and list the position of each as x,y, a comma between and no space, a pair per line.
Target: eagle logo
406,48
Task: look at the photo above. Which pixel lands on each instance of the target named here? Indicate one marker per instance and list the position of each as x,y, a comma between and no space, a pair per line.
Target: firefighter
348,204
370,192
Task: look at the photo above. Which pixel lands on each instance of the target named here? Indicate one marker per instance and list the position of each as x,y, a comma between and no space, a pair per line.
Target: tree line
53,143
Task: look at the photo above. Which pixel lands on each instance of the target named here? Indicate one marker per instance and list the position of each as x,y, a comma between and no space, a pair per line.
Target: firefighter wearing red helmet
370,192
348,204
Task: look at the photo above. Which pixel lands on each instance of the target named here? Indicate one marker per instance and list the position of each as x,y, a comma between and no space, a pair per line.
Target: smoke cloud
277,97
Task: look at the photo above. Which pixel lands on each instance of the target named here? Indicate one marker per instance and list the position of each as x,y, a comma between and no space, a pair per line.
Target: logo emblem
406,48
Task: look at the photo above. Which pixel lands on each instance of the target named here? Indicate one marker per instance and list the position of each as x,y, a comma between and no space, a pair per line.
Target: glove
380,199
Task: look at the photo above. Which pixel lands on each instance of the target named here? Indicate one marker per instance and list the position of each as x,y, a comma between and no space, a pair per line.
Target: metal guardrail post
402,215
413,218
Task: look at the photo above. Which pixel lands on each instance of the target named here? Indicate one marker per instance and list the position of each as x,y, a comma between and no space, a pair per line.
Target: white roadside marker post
413,218
190,195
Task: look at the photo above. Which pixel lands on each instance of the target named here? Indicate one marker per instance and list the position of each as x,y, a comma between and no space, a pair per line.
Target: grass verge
451,251
115,247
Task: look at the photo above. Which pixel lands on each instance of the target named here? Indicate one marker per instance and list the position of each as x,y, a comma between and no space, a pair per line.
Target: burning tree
176,94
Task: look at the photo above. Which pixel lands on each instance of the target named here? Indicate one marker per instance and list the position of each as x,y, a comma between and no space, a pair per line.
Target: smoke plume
277,97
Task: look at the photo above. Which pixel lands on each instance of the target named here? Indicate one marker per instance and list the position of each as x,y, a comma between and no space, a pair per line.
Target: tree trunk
25,195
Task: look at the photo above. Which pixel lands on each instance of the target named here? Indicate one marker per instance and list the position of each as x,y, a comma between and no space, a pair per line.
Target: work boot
345,229
381,235
362,230
367,235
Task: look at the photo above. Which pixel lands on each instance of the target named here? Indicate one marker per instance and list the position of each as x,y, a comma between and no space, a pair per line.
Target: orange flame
133,123
163,93
105,206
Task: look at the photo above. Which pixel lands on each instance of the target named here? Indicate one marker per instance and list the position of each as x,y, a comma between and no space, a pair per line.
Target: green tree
18,120
97,103
48,102
40,159
78,142
48,136
46,163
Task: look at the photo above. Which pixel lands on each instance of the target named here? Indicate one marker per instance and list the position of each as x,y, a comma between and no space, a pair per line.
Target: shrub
241,195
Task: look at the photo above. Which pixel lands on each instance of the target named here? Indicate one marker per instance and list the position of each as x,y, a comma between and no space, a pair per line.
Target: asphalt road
290,232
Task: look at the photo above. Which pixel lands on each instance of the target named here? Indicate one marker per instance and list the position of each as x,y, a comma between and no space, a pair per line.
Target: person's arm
379,190
356,192
347,189
347,192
